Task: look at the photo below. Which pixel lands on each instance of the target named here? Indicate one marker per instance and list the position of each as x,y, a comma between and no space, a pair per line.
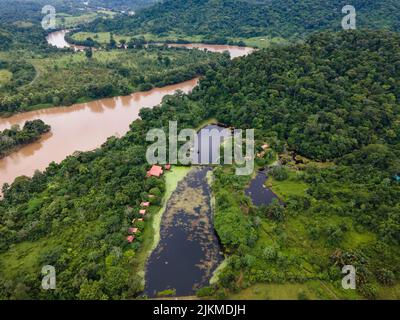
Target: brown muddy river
235,51
81,127
84,127
57,39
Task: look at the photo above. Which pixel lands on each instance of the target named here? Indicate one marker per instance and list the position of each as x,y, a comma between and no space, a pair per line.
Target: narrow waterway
259,194
188,251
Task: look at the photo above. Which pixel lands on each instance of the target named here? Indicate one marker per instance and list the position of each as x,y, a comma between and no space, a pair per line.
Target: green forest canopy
74,216
216,19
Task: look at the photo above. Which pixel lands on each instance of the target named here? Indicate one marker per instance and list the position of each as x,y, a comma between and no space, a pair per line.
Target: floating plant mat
188,251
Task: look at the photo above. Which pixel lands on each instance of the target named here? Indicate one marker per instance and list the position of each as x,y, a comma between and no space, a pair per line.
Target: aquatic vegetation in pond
188,251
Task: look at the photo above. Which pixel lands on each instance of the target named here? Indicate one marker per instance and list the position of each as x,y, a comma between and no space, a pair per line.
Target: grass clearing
23,258
292,186
100,37
104,38
274,291
68,21
5,76
389,293
262,41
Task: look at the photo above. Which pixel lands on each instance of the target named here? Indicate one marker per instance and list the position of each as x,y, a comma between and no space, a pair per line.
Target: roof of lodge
155,171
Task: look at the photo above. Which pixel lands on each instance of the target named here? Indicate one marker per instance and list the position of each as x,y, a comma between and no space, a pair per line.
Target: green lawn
287,291
104,38
5,77
100,37
68,21
292,186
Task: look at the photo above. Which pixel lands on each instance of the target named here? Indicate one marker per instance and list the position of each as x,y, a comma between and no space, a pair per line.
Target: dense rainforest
328,96
53,79
35,75
217,20
333,99
15,137
20,20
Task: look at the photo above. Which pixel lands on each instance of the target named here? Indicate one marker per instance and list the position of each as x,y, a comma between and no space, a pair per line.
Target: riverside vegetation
11,139
332,98
83,205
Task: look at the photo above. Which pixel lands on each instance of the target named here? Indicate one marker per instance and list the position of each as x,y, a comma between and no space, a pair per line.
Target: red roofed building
130,239
265,146
133,230
167,167
155,171
145,204
142,212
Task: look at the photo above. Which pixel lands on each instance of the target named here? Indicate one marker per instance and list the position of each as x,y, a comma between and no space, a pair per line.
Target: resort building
155,171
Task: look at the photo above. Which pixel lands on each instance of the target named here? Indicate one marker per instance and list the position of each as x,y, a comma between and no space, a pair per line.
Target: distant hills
251,18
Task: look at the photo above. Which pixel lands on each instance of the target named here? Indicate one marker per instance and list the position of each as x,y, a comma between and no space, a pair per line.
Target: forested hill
241,18
333,94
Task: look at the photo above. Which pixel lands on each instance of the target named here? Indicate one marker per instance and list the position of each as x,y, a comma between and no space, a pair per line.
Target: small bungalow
265,146
133,230
155,171
130,239
142,212
145,204
140,220
151,196
167,167
397,177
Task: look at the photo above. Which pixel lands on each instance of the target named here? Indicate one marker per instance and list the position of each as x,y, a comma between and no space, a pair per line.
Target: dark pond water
209,148
189,250
259,194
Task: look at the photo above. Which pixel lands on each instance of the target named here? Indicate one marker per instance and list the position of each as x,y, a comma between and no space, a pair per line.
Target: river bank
234,50
81,127
151,234
188,251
